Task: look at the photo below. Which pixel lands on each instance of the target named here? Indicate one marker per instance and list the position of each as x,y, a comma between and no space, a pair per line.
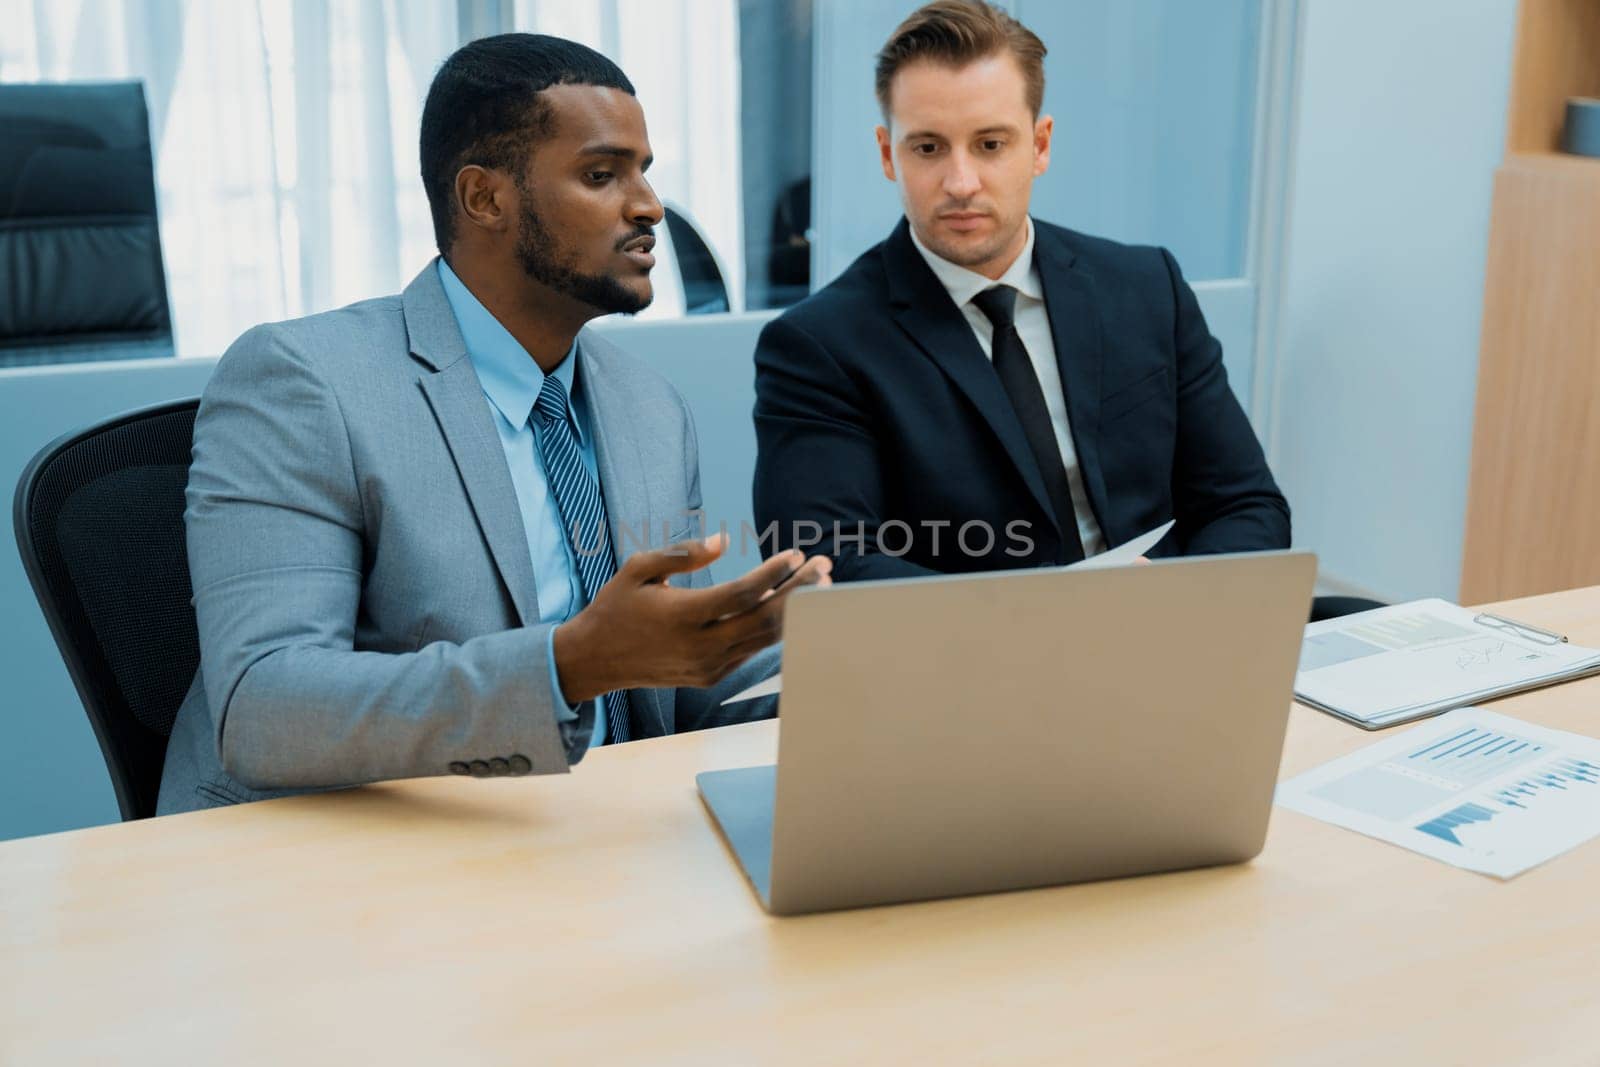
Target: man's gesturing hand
639,631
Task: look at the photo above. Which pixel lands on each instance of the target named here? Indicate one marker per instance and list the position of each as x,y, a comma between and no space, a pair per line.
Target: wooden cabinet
1533,500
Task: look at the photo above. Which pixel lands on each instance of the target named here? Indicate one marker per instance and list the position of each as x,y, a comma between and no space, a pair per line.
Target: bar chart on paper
1482,755
1475,789
1444,826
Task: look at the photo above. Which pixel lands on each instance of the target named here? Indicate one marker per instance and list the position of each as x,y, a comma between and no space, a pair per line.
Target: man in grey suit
416,524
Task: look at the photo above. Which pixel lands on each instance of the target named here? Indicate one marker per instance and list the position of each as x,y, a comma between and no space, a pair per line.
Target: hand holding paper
1128,552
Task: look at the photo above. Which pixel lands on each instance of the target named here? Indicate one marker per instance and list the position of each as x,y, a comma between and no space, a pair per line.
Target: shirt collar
963,284
510,378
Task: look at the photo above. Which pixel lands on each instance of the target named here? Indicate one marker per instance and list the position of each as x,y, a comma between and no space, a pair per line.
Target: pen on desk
1500,622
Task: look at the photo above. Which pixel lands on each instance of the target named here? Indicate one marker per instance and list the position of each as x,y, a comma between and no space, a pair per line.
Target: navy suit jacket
875,404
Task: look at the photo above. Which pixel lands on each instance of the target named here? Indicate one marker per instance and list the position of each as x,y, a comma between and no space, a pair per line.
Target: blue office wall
1154,103
1399,126
848,188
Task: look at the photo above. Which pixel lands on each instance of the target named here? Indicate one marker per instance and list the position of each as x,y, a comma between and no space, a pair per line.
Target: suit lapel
619,459
618,453
1069,300
456,396
923,309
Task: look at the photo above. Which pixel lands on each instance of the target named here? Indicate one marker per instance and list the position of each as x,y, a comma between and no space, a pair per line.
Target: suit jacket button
480,769
498,767
519,764
460,768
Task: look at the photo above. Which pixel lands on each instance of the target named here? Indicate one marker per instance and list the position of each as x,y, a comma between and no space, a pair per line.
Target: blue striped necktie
583,519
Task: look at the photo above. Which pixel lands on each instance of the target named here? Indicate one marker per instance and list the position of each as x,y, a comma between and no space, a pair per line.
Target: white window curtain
683,59
285,133
285,137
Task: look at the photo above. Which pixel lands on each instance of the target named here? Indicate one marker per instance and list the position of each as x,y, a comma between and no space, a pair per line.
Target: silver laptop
969,734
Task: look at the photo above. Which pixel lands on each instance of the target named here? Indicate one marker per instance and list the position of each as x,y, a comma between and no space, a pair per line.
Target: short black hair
483,109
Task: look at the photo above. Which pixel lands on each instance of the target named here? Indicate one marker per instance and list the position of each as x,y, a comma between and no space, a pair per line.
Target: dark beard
536,252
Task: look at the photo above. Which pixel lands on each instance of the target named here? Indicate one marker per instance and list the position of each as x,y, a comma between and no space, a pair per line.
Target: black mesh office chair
1335,607
78,235
99,523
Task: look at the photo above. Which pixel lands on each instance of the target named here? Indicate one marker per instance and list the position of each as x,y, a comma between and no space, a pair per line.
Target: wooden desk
598,918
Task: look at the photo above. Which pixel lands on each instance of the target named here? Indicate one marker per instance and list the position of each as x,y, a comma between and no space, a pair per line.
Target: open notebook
1392,665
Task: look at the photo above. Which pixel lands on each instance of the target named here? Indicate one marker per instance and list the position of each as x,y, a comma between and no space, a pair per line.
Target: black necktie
1016,373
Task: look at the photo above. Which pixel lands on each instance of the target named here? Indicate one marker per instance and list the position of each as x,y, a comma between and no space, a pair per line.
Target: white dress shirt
1033,326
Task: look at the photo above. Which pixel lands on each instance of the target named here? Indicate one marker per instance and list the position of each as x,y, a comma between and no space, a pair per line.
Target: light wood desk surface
598,918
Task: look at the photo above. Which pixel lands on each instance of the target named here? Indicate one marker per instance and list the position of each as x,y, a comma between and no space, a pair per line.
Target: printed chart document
1124,554
1478,790
1392,665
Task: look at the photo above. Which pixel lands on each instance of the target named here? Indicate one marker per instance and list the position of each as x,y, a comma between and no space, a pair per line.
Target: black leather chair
99,523
705,291
789,246
79,247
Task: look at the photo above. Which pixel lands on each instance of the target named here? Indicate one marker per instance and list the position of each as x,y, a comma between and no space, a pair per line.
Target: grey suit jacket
362,582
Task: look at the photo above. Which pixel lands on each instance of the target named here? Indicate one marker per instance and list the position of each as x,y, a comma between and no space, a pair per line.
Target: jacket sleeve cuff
576,722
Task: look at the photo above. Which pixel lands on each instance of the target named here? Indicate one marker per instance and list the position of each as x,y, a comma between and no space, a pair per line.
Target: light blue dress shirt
511,383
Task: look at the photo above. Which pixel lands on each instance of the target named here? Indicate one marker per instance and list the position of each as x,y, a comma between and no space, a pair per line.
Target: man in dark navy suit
984,390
